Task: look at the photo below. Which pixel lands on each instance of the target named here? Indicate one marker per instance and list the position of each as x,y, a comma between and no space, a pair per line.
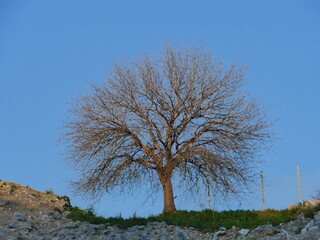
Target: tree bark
169,205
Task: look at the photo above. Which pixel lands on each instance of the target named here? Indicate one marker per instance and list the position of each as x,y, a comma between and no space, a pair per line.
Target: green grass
206,220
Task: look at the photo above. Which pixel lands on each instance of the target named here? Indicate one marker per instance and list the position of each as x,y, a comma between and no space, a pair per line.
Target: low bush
88,215
12,188
48,191
305,211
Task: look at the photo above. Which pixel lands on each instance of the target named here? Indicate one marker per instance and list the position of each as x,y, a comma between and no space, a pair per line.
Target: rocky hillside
17,198
29,214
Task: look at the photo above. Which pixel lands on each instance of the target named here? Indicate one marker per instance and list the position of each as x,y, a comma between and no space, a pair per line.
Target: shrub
66,206
48,191
307,212
12,188
88,215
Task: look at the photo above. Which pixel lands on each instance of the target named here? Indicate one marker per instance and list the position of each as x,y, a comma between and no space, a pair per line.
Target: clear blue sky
51,50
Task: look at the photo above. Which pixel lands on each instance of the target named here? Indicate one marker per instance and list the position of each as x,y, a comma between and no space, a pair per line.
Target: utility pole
299,184
208,186
209,203
262,191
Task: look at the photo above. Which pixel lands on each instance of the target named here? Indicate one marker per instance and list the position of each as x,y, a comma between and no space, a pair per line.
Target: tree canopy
177,115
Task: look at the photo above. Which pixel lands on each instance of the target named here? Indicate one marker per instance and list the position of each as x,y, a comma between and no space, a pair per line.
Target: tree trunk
168,196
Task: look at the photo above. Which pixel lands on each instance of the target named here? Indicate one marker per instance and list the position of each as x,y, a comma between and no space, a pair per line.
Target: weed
12,188
35,195
48,191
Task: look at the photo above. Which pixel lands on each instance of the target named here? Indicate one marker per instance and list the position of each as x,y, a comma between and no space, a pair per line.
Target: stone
234,228
244,232
140,227
40,238
143,238
45,218
19,217
310,224
317,216
183,235
11,226
3,203
55,215
313,228
259,228
157,231
131,229
216,235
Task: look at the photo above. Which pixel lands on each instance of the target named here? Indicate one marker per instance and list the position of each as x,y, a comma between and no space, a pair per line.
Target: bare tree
180,114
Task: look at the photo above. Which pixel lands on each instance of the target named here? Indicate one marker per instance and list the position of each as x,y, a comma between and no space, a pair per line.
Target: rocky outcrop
55,226
300,229
51,227
27,201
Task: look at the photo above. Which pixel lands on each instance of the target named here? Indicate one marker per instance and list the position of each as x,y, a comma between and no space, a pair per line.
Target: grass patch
206,220
89,215
209,221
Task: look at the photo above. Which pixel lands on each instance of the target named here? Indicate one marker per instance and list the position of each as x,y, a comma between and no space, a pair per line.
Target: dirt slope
17,198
